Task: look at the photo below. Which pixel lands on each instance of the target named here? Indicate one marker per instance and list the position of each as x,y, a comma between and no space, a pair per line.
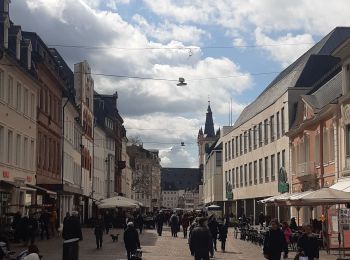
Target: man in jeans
201,242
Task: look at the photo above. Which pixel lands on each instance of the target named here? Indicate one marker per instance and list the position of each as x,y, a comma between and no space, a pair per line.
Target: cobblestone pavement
153,246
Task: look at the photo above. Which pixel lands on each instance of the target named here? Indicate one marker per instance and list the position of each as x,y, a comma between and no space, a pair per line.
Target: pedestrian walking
223,230
287,235
16,226
293,224
274,242
98,231
131,239
32,228
201,242
308,244
214,229
174,224
140,222
53,222
24,229
44,224
159,221
261,219
71,233
108,221
185,223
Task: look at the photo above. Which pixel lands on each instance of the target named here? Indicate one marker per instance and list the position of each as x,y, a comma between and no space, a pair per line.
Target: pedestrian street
153,247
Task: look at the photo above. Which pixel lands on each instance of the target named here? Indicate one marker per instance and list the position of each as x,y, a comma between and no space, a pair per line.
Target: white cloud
239,42
284,49
178,156
169,32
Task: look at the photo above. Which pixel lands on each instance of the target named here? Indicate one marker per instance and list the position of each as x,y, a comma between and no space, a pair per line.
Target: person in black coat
139,222
131,239
98,231
214,229
72,228
32,228
16,226
223,230
274,242
160,221
261,219
308,244
201,242
44,224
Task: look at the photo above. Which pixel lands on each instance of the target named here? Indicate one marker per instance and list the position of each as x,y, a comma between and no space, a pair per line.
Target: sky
224,49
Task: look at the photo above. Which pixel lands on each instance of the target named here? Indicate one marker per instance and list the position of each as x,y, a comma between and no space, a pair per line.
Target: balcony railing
305,169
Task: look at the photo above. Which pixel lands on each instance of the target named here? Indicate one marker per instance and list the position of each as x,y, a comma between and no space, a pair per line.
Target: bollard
71,249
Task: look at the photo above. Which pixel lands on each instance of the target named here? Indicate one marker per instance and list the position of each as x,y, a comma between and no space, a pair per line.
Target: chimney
26,50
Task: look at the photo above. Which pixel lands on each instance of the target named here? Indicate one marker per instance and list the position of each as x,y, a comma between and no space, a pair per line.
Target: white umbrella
120,198
213,207
117,204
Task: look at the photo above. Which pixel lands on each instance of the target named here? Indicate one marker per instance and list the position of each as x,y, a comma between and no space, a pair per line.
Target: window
266,169
250,139
25,153
225,152
237,177
331,144
233,178
32,155
229,176
19,97
245,175
218,159
245,141
278,124
9,146
272,128
10,90
240,144
25,102
273,166
260,134
254,137
229,150
241,176
325,146
32,106
18,150
2,87
2,143
233,148
284,158
255,172
250,174
317,149
266,131
236,146
282,120
347,140
261,180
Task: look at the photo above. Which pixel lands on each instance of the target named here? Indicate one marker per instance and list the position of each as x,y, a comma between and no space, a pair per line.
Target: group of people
278,237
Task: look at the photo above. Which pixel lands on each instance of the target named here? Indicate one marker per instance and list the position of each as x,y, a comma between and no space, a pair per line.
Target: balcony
306,169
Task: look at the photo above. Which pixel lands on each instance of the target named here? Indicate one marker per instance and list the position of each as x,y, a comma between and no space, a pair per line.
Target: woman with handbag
274,242
308,245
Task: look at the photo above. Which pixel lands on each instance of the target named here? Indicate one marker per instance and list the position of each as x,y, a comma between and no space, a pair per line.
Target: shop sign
39,200
6,174
29,178
229,195
283,185
28,200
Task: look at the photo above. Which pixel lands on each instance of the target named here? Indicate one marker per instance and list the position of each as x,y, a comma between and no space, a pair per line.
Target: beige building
100,166
213,177
256,147
84,88
170,199
18,127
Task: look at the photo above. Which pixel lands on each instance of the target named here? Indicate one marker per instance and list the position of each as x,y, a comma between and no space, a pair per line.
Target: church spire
209,123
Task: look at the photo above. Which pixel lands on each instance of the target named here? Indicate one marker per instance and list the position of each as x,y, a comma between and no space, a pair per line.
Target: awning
9,183
342,185
42,189
27,188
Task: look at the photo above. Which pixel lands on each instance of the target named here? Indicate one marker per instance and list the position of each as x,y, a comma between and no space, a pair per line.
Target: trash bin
71,249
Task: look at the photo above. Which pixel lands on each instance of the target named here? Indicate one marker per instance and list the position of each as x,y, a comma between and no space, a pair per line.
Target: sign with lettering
283,185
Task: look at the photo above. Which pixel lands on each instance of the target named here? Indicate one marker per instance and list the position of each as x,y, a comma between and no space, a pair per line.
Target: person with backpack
214,229
274,242
201,242
308,244
131,239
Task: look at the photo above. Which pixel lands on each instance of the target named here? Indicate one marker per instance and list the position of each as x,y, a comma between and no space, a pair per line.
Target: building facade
100,164
256,148
127,171
19,89
170,199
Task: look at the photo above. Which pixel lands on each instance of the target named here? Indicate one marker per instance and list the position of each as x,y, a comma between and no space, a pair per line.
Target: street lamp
181,82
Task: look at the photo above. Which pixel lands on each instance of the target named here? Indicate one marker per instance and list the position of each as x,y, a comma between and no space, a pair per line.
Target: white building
100,165
126,172
170,199
18,127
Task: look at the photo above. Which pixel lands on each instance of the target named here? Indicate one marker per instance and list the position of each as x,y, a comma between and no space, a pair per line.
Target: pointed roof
200,132
209,123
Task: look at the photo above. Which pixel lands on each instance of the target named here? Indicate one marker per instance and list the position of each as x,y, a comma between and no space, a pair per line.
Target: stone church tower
206,139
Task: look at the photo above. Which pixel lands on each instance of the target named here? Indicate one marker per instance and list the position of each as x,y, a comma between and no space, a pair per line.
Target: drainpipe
321,154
